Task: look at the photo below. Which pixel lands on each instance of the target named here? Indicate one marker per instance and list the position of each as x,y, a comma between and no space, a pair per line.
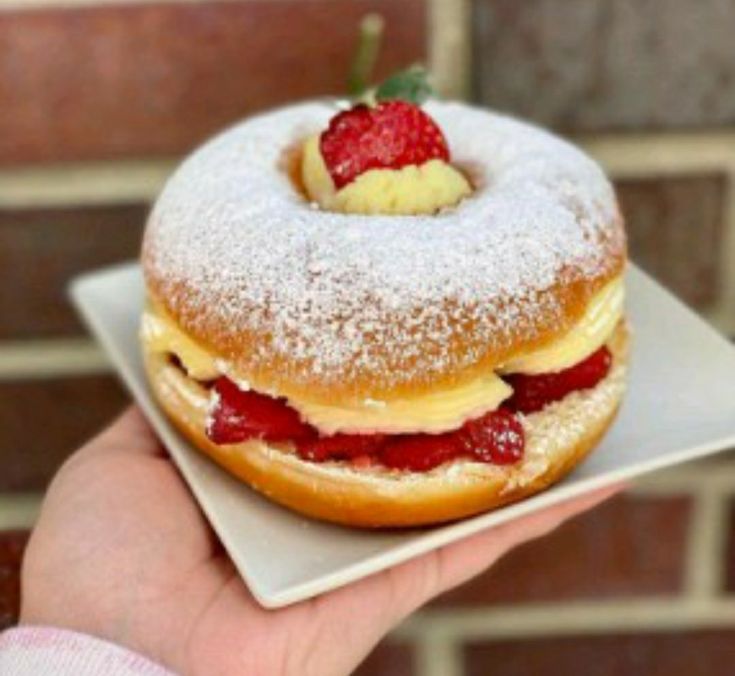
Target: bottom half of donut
558,438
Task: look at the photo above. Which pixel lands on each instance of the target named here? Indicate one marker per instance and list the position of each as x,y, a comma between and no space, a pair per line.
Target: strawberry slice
238,415
532,393
390,135
422,452
340,446
241,415
497,437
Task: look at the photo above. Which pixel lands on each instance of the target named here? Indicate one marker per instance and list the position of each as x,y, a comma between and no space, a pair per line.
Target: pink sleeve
46,651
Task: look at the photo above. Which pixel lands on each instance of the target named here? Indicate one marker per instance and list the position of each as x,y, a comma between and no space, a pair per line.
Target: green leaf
410,85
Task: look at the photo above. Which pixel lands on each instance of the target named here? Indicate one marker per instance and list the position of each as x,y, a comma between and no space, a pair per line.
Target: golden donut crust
369,499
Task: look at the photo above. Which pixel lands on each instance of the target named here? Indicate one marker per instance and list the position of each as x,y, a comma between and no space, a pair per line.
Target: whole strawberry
392,133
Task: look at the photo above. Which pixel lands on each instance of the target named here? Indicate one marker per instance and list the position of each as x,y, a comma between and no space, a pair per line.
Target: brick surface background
606,553
12,544
146,79
676,231
607,64
729,549
150,80
697,653
388,659
42,421
42,249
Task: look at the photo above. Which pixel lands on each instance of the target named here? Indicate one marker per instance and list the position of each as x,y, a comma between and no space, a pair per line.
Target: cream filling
435,412
414,189
549,433
161,334
602,315
431,413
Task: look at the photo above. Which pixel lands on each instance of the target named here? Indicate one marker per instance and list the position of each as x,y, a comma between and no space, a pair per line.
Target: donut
397,344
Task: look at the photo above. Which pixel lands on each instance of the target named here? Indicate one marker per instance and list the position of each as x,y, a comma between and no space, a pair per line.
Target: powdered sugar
333,291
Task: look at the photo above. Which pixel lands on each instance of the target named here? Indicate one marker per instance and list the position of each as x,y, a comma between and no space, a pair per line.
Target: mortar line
662,153
48,358
83,183
437,655
449,46
598,617
726,306
18,511
707,531
624,156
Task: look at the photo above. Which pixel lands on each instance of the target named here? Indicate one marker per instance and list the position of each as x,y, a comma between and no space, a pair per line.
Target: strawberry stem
366,54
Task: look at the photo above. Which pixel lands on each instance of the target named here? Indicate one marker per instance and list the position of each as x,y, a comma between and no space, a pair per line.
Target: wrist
31,649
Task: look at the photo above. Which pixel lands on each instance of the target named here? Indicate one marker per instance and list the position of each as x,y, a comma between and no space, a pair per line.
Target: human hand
122,552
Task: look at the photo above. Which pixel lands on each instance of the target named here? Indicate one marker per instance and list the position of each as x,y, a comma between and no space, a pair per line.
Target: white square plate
680,405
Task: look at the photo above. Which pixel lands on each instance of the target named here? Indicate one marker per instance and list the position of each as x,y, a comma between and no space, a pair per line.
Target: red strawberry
238,416
497,437
390,135
532,393
340,446
422,452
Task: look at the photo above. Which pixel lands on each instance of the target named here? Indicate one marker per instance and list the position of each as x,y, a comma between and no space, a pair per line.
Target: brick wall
99,99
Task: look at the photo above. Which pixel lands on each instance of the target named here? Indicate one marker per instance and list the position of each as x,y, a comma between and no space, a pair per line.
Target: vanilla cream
161,334
430,413
602,315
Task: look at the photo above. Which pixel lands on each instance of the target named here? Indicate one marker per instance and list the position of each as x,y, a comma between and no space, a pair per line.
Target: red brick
703,653
142,79
676,231
388,659
607,64
628,546
43,421
12,544
41,249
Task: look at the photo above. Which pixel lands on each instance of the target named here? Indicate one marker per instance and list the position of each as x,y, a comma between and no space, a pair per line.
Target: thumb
130,433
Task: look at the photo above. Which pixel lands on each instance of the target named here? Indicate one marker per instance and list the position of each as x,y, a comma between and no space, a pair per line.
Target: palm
121,551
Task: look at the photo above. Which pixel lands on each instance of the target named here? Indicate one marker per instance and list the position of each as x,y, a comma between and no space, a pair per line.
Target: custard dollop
412,190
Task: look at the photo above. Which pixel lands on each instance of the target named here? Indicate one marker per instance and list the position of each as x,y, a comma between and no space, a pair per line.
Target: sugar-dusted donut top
308,303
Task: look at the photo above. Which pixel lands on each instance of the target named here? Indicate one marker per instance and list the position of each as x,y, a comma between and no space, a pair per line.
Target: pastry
387,314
